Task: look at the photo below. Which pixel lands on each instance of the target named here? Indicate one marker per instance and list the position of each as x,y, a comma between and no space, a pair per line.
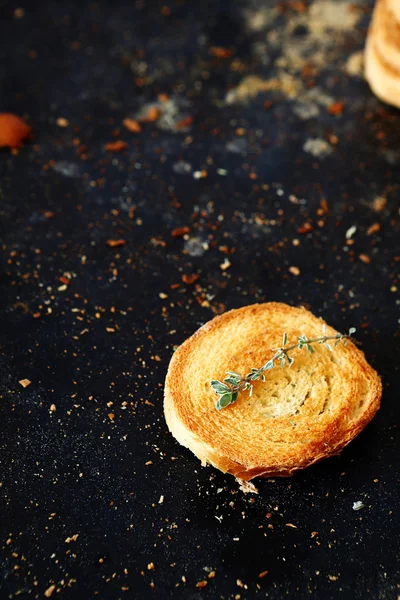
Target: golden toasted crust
382,53
297,417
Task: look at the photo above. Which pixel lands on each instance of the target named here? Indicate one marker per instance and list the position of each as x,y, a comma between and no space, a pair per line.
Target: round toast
296,417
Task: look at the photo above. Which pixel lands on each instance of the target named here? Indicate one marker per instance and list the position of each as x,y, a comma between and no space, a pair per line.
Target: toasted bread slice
297,417
382,53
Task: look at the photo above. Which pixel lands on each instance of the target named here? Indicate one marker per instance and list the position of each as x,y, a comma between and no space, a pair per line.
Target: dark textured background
100,344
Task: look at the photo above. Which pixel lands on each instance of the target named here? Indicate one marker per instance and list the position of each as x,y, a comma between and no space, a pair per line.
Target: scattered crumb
153,114
317,147
374,228
151,566
355,64
189,279
49,591
358,505
73,538
225,265
350,232
180,232
53,408
25,382
365,258
132,125
262,574
116,146
336,108
246,486
201,584
62,122
115,243
294,271
379,203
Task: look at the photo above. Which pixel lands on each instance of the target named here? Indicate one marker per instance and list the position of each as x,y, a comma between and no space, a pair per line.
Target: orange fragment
116,146
132,125
115,243
153,114
13,130
336,108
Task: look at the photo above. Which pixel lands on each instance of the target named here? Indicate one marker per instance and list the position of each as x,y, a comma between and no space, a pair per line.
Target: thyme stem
229,389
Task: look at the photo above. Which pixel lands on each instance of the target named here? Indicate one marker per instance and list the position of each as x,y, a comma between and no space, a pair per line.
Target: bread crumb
246,486
294,271
374,228
379,203
73,538
211,575
53,408
62,122
355,64
262,574
49,591
25,382
365,258
358,505
201,584
151,566
115,243
132,125
225,265
116,146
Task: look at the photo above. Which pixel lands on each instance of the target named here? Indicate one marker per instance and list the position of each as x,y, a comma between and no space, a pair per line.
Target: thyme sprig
228,390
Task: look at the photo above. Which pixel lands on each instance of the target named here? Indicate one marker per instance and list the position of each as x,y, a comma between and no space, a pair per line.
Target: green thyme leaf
234,374
352,330
284,341
219,387
231,380
234,397
224,401
310,348
329,346
269,365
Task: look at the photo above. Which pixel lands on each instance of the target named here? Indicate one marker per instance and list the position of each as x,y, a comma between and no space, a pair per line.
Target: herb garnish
229,389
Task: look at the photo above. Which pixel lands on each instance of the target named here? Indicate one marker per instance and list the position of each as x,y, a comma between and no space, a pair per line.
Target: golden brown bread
297,417
382,52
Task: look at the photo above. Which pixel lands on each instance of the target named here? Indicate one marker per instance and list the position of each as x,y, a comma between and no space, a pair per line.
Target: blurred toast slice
382,52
